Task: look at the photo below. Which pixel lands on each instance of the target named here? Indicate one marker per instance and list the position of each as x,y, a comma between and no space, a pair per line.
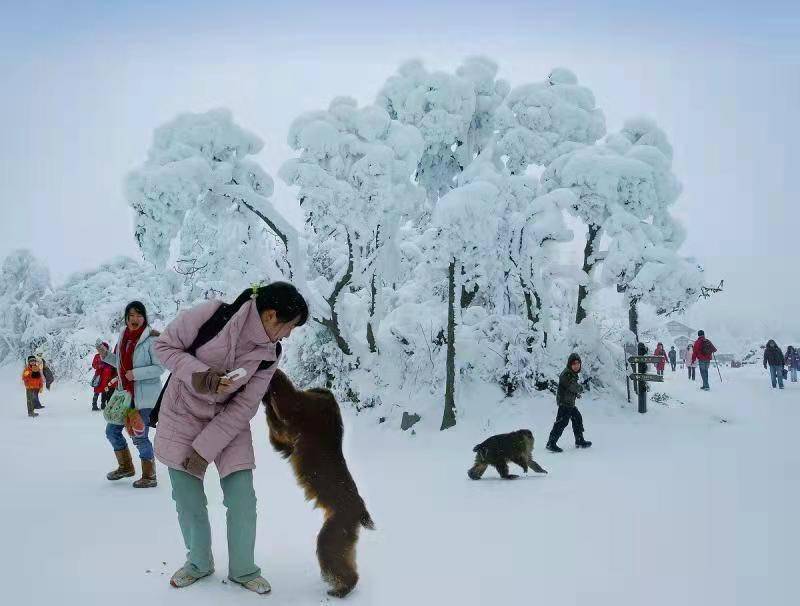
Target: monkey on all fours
306,428
500,450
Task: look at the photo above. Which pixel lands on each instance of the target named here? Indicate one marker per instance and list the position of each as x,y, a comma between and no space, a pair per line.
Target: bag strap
210,329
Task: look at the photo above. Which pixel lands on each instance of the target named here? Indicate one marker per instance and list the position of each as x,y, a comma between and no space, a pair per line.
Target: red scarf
126,346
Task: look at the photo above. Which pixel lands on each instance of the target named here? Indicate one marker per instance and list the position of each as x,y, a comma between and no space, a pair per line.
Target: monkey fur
500,450
306,428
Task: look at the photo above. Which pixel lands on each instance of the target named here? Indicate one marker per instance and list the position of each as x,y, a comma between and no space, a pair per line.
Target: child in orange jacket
33,379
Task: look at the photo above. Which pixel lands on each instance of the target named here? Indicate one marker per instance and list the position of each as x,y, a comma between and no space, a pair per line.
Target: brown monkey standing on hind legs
306,428
497,451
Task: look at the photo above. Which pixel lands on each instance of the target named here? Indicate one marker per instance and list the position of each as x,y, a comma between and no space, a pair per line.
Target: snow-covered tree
200,191
616,175
354,176
453,112
541,121
24,281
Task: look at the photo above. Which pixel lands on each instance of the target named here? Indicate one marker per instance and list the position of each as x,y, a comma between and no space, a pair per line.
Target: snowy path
673,507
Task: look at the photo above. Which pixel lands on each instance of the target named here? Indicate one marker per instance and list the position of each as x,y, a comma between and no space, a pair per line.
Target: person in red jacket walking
104,374
703,352
663,361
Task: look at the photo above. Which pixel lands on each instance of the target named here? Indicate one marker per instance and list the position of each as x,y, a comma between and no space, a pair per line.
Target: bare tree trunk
449,416
588,251
332,323
373,347
633,317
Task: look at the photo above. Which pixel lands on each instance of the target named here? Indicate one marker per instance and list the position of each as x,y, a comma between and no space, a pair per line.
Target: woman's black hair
138,307
283,297
31,358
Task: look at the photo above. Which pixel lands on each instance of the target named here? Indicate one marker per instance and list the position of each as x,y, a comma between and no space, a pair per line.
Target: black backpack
210,329
707,348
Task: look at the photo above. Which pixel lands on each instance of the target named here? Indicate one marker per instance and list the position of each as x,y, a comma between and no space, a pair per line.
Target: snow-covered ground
675,507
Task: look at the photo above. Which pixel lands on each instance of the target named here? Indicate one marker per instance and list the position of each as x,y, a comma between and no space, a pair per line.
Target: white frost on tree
540,121
354,174
453,112
200,192
24,281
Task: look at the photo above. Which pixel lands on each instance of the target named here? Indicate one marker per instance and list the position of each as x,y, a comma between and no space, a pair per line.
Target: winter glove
195,464
208,382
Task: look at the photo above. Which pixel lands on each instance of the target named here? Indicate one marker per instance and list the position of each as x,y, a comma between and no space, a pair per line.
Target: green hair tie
255,287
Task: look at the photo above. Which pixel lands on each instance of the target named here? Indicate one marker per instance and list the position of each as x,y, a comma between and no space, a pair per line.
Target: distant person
774,359
703,352
104,378
663,361
691,365
569,389
33,379
673,357
792,362
139,373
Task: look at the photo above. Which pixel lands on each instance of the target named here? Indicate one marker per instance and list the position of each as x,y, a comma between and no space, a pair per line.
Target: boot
581,443
94,405
33,414
148,479
553,447
125,466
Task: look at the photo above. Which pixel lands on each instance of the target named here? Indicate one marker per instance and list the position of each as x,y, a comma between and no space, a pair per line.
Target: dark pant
691,372
673,365
563,417
104,398
703,364
660,372
32,397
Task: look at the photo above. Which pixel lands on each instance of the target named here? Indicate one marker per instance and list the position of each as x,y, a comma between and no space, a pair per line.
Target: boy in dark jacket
774,359
568,391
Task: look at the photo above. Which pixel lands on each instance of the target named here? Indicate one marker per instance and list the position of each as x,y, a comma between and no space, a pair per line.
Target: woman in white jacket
687,359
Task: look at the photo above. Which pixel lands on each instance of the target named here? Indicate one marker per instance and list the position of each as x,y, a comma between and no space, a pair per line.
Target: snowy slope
674,507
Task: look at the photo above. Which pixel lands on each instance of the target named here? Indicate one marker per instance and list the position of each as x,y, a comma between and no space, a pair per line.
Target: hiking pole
717,365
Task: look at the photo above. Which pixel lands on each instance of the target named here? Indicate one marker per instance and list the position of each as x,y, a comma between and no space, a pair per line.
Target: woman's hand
225,386
210,382
195,464
129,375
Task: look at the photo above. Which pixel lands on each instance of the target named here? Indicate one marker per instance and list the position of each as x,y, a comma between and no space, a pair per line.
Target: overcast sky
85,83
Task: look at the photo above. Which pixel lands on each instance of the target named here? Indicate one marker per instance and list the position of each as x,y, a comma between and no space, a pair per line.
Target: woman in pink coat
205,417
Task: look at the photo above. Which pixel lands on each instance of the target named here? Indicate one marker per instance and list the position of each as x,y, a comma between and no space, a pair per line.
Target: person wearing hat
104,374
568,391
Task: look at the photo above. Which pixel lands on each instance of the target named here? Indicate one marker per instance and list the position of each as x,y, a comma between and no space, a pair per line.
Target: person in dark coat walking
773,358
568,391
792,362
673,357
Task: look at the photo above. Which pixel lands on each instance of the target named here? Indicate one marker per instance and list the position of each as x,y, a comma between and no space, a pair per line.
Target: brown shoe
148,479
125,466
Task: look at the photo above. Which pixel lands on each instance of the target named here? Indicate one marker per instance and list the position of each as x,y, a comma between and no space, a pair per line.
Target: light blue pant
240,500
776,375
704,364
143,443
793,374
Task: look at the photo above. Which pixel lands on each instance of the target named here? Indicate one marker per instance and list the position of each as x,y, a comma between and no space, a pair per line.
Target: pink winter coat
189,420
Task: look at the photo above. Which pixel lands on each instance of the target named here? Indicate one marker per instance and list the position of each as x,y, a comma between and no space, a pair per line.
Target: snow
671,508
